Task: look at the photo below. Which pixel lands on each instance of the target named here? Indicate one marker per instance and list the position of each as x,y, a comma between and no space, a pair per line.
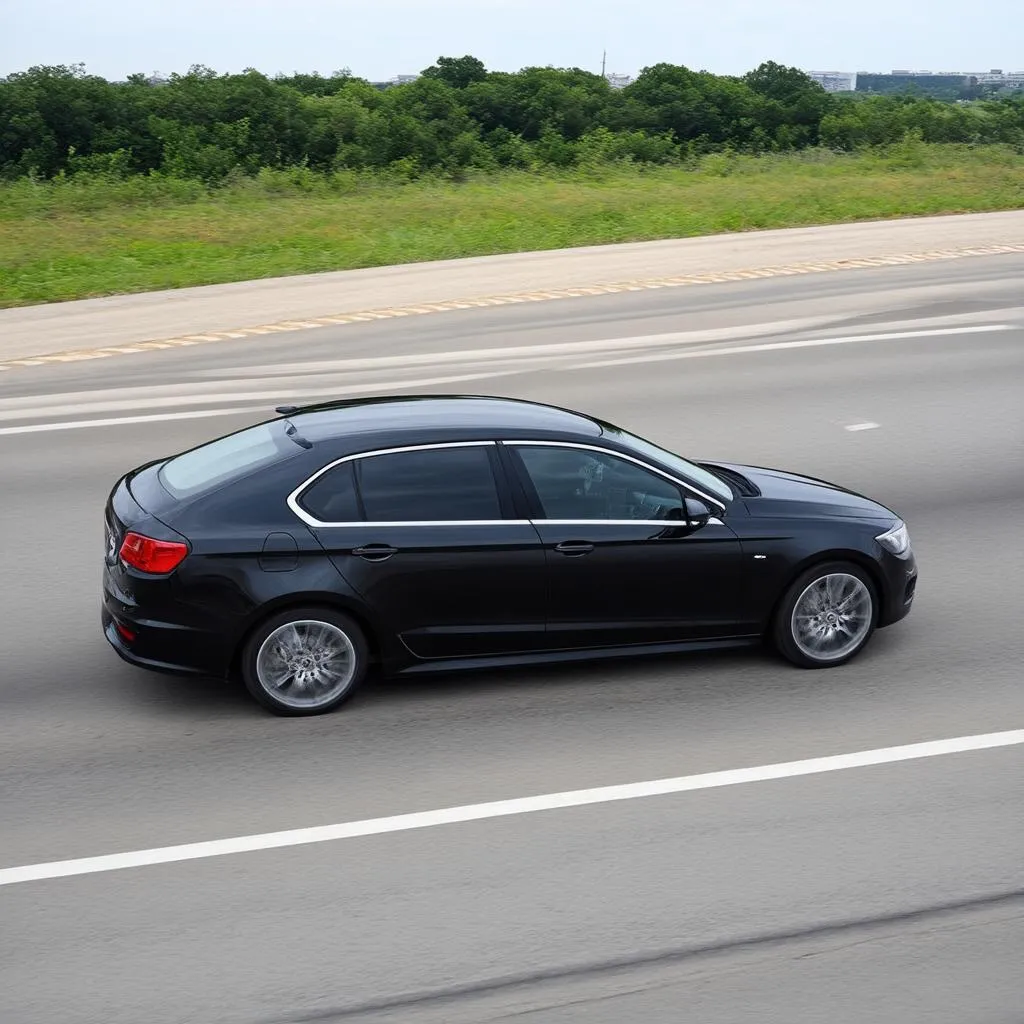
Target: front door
427,537
623,566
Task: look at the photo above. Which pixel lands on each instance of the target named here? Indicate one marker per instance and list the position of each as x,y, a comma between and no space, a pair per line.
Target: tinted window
225,459
673,463
441,484
575,484
332,497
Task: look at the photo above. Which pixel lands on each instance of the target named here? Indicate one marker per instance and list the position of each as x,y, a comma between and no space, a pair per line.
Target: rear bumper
160,646
124,652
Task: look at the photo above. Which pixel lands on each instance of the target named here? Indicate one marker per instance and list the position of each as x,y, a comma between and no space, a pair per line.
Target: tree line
457,115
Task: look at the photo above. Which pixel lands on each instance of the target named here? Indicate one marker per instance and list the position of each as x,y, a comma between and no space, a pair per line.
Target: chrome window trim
665,524
381,523
319,524
717,502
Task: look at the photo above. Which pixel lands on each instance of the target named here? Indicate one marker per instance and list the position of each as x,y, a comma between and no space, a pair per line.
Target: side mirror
697,513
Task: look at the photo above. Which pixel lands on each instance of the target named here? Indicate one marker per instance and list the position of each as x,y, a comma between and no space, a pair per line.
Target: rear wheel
827,616
304,661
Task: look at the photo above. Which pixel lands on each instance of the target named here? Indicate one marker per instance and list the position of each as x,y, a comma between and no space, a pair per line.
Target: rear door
428,536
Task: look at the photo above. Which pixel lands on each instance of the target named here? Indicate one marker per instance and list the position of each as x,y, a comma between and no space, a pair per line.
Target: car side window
577,484
332,497
429,485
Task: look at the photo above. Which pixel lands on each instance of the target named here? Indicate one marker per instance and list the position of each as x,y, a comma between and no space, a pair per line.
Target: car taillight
153,556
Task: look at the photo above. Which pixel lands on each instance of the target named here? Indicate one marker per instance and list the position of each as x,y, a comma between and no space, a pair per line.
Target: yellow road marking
547,295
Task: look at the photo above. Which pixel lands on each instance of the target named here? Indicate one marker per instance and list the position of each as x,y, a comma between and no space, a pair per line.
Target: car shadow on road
721,675
565,677
700,679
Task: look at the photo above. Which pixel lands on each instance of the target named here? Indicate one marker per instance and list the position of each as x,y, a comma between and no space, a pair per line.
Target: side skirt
587,654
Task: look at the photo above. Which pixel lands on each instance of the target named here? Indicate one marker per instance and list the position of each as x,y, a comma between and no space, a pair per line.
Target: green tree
697,106
793,104
48,114
458,72
205,125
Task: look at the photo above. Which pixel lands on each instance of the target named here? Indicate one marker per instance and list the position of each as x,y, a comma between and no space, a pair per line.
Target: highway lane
780,901
96,757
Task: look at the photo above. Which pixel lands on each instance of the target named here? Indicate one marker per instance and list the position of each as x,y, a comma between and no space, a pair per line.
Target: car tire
304,661
827,616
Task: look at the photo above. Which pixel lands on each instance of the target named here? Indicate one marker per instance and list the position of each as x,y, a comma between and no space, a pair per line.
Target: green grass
82,237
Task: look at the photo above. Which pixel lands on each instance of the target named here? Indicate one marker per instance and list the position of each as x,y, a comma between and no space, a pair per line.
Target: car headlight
896,541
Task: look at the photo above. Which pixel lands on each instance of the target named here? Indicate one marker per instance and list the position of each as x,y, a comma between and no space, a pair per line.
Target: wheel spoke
306,664
831,618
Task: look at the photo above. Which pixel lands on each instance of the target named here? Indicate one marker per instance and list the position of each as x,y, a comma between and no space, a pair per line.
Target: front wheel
827,616
304,661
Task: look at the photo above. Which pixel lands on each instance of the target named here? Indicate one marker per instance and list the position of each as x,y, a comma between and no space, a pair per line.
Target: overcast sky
378,39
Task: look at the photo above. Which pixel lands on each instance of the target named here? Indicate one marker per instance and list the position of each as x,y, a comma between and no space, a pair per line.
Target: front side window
576,484
432,485
673,463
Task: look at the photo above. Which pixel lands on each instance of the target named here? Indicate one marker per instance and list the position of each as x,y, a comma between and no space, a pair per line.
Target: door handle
375,552
574,547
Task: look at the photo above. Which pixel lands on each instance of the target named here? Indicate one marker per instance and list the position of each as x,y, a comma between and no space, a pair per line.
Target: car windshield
228,458
675,463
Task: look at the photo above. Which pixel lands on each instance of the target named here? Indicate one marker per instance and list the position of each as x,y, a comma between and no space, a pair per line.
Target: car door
624,565
427,536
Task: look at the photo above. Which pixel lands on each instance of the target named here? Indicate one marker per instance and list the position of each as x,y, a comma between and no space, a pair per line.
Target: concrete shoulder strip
241,333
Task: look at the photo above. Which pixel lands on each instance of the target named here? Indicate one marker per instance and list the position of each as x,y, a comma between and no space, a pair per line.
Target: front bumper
900,587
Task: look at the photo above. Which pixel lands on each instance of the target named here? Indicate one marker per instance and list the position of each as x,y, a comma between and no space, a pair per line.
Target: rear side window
226,459
433,485
332,497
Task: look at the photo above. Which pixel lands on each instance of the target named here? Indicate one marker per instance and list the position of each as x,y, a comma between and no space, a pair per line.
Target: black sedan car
433,533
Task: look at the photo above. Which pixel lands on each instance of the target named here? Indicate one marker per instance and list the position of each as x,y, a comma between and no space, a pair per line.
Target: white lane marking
328,392
120,421
225,384
504,808
505,352
219,382
195,414
774,346
854,427
205,393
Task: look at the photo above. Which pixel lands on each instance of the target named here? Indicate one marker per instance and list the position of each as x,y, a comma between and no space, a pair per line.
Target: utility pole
604,63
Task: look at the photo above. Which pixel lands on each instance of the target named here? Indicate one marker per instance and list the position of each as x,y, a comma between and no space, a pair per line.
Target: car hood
787,494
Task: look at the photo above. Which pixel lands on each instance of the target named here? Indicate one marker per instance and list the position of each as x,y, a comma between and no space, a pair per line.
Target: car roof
439,416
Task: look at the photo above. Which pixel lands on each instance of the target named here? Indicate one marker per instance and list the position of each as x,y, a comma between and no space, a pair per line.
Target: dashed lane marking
546,295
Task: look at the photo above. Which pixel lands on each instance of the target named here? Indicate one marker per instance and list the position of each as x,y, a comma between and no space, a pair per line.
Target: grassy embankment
83,237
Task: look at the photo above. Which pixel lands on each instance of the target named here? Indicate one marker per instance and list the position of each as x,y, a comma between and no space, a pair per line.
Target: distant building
619,81
397,80
1005,79
836,81
949,85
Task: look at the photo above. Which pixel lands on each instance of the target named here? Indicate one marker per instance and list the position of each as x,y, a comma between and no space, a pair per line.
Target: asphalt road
893,893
